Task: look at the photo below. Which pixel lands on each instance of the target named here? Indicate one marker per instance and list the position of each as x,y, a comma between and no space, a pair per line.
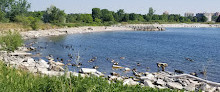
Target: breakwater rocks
182,25
147,28
22,60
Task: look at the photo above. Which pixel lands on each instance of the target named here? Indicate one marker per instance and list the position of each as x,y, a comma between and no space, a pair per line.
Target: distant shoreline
89,29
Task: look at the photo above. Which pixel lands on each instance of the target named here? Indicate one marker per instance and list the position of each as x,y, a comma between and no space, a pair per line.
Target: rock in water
88,70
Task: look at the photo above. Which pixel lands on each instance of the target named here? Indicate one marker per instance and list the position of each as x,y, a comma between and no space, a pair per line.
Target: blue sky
130,6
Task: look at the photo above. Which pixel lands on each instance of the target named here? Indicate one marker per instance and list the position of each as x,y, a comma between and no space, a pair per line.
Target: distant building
207,15
217,14
189,14
166,13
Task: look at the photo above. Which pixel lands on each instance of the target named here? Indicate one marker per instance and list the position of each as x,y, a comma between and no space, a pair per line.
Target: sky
130,6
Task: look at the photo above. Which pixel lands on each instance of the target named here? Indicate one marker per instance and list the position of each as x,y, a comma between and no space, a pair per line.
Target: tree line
17,11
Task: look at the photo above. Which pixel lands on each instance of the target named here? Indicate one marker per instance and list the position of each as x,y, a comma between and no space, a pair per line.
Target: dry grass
21,27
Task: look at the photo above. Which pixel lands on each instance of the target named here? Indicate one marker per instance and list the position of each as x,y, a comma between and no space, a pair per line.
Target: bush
10,41
28,21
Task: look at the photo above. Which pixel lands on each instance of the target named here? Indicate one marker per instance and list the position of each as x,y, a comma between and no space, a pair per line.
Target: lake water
172,46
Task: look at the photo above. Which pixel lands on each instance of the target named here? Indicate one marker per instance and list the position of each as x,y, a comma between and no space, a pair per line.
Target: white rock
149,77
127,69
161,82
148,83
88,70
43,63
161,87
174,85
190,87
75,74
60,64
99,73
112,77
130,82
120,79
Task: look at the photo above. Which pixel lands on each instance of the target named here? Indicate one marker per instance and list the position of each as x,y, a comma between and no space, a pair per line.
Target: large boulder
149,77
160,82
174,85
148,83
130,82
190,87
88,70
43,63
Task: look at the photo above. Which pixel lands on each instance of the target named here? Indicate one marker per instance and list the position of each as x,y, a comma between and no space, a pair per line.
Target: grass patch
12,80
10,41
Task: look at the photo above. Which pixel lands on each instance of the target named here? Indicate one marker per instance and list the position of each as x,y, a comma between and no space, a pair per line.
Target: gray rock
43,63
160,82
127,69
218,89
88,70
190,87
174,85
161,87
149,83
130,82
149,77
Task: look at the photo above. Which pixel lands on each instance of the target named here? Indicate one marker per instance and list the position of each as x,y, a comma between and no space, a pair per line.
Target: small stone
148,83
174,85
127,69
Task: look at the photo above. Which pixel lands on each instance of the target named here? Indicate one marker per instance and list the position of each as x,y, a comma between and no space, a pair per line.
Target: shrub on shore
10,41
12,80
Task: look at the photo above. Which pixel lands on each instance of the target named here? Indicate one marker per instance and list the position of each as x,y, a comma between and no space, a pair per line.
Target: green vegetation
12,80
10,41
16,11
218,19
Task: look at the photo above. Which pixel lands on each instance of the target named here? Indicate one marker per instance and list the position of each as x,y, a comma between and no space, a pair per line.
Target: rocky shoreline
21,59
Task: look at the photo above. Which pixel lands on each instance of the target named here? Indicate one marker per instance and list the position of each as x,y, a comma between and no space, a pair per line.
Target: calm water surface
147,48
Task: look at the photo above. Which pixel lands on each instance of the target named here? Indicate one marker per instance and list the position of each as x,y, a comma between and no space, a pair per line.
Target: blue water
147,48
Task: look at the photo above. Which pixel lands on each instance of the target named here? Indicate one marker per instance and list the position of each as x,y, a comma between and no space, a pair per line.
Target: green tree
5,5
147,18
155,17
132,16
218,19
96,13
97,20
19,7
107,15
203,19
151,11
120,13
195,19
71,18
87,18
126,18
54,15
